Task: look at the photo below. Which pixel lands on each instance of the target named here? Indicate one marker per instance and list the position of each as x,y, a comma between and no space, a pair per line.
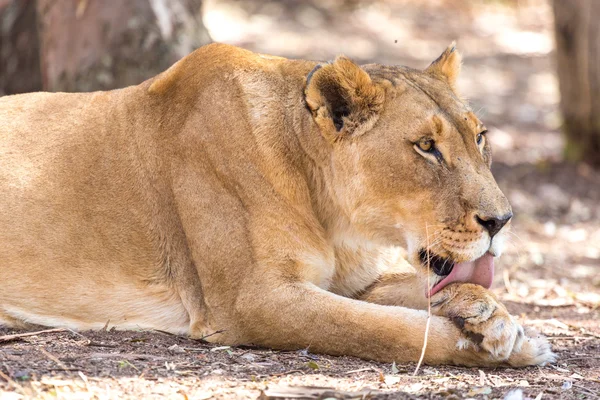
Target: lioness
251,199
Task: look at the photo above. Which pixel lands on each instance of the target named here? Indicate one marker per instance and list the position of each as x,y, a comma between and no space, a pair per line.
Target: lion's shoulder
215,61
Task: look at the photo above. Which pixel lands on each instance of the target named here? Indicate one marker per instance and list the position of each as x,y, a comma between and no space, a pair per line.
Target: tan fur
447,66
232,194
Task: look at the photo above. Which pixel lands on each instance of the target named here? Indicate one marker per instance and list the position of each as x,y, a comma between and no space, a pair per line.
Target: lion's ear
343,99
447,66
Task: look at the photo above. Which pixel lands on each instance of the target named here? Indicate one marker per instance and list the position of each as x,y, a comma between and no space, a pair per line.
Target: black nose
494,224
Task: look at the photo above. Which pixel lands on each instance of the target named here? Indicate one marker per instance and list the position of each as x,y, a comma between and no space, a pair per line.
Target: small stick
53,358
354,371
81,336
585,332
85,380
8,338
203,338
428,308
589,391
372,369
507,284
293,371
12,382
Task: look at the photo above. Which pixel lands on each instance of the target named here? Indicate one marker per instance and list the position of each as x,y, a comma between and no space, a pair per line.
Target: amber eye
426,145
480,137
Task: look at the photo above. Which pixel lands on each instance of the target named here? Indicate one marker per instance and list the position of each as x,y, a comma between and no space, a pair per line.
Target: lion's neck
316,151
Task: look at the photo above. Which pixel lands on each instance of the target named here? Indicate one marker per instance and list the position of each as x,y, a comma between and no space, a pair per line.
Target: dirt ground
549,275
157,365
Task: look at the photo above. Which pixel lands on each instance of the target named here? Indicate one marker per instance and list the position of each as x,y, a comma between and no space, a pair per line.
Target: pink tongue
480,272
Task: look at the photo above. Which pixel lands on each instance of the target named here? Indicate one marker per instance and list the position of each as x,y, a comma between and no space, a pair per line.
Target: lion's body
196,202
90,196
79,216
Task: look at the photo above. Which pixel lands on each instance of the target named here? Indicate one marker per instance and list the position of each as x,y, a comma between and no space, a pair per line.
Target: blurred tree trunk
97,45
19,47
577,33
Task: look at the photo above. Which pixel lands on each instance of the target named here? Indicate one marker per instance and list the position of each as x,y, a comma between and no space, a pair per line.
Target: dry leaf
479,391
391,380
515,394
481,378
414,388
220,348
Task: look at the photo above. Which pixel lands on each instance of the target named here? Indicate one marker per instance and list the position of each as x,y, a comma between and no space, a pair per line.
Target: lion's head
410,164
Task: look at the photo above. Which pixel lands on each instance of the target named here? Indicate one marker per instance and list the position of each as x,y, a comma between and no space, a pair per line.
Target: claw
489,329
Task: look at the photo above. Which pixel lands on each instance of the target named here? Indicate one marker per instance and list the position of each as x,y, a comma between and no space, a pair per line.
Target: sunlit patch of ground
153,365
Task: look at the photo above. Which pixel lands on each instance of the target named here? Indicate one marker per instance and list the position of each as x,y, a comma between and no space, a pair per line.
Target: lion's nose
494,224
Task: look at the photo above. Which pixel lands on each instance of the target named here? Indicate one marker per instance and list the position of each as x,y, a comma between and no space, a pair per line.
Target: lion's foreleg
480,316
293,315
397,289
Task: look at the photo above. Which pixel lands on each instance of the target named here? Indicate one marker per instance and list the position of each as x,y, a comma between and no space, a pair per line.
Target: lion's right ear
343,99
447,66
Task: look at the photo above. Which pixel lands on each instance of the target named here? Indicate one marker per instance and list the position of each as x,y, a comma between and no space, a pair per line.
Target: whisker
434,243
444,264
515,235
518,245
434,234
515,245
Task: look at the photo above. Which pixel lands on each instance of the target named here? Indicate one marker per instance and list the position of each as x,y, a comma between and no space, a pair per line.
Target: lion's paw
534,349
489,327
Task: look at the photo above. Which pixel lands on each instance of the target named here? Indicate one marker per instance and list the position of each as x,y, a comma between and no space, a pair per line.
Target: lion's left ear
447,66
343,99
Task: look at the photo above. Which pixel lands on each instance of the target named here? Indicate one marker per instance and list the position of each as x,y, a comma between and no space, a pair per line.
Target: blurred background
519,57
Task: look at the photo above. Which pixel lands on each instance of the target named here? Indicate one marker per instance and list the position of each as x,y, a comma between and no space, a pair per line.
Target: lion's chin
479,271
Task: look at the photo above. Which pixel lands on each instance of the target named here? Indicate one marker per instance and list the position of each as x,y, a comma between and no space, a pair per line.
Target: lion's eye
426,145
480,137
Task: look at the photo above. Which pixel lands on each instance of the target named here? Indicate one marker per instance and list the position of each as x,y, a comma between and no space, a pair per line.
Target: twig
85,381
580,358
165,333
98,344
372,369
203,338
195,350
131,356
53,358
313,392
8,338
288,372
569,337
80,335
557,377
354,371
428,307
589,391
63,369
134,367
583,331
507,284
12,382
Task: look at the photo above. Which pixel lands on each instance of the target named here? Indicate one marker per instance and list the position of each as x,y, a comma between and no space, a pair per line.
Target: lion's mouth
479,271
441,266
